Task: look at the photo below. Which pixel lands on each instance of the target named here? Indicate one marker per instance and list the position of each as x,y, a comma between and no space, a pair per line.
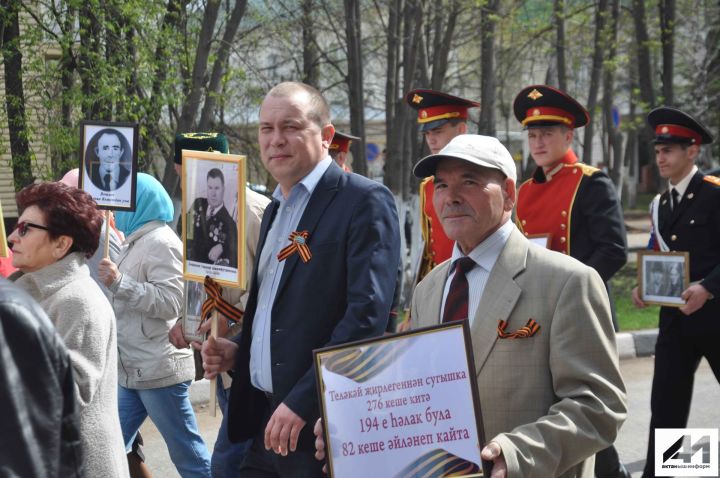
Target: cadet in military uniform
574,203
441,118
214,231
686,217
339,147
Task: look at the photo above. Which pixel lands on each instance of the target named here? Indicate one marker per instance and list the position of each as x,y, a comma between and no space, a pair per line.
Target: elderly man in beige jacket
550,388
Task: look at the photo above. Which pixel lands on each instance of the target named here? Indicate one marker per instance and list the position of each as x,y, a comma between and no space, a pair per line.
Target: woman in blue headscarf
147,289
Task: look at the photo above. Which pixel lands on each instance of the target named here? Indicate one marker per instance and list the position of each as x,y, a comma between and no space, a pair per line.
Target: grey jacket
147,298
85,321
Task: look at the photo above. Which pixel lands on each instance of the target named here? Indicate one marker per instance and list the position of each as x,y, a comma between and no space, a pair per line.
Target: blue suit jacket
342,294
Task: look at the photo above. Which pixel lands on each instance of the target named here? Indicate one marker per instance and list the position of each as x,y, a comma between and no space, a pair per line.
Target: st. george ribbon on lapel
298,243
527,330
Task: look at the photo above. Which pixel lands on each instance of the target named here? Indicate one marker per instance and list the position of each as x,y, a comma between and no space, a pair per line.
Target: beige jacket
554,399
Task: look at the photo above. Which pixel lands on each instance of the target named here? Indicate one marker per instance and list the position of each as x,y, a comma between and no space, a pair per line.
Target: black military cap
673,126
199,142
542,105
341,142
436,108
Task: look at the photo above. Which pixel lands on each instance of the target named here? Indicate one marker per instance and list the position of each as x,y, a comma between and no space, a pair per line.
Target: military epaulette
712,180
587,170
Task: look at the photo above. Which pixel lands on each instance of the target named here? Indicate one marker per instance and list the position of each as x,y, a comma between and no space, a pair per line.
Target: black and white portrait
109,159
664,277
211,226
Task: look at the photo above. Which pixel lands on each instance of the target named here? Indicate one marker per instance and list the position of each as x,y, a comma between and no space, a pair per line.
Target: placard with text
402,406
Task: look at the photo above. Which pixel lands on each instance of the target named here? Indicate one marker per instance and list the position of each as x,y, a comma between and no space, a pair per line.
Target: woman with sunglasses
58,229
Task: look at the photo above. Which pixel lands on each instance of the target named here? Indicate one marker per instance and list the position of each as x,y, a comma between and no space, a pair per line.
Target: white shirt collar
487,252
683,184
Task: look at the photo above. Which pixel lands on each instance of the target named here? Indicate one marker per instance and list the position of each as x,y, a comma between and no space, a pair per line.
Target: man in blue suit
324,275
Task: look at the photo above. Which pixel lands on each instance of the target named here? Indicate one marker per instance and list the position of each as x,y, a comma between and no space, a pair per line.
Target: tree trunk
311,67
615,165
191,105
221,61
489,12
559,16
15,95
667,39
645,83
393,101
353,35
596,72
88,63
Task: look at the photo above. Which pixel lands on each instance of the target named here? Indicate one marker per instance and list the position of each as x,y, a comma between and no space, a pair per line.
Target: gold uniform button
562,226
691,195
564,252
673,237
523,222
563,213
692,221
562,239
526,234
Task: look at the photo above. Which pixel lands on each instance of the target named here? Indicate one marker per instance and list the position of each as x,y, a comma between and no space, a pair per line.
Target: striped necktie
456,303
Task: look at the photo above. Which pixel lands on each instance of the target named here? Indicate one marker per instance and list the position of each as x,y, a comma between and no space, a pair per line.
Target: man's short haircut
319,110
216,173
117,133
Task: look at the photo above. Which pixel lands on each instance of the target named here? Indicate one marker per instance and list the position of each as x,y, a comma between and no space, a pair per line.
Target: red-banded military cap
436,108
542,105
674,126
341,142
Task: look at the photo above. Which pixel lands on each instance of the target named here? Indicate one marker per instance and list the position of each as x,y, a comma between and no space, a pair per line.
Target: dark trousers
677,356
262,463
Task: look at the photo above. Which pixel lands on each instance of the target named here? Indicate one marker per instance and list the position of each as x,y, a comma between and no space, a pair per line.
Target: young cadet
574,203
686,217
339,147
441,118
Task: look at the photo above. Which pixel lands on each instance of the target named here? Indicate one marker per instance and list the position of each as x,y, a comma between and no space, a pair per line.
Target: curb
640,343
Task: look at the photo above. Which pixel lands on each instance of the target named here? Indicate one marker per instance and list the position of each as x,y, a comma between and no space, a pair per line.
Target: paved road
631,442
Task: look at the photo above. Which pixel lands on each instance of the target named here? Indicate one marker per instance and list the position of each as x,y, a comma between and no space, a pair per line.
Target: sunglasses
22,227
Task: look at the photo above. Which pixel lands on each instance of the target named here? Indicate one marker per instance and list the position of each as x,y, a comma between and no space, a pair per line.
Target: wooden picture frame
402,402
4,248
213,217
109,163
663,276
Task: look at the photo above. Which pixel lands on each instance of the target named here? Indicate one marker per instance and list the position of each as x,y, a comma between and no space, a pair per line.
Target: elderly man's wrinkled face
471,201
109,151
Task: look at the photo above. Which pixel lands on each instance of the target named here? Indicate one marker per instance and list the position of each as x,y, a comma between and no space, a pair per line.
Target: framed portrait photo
213,217
108,163
192,315
663,276
542,240
402,406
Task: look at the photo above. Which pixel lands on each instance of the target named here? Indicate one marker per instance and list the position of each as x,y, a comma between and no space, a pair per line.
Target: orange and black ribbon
215,301
528,330
298,243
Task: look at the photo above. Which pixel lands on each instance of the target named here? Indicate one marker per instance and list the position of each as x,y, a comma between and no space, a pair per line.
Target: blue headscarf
152,203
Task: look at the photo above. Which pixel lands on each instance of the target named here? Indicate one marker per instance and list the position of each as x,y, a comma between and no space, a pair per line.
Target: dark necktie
675,198
456,304
107,178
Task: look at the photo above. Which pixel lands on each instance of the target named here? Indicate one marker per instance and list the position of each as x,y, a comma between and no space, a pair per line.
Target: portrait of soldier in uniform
212,231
